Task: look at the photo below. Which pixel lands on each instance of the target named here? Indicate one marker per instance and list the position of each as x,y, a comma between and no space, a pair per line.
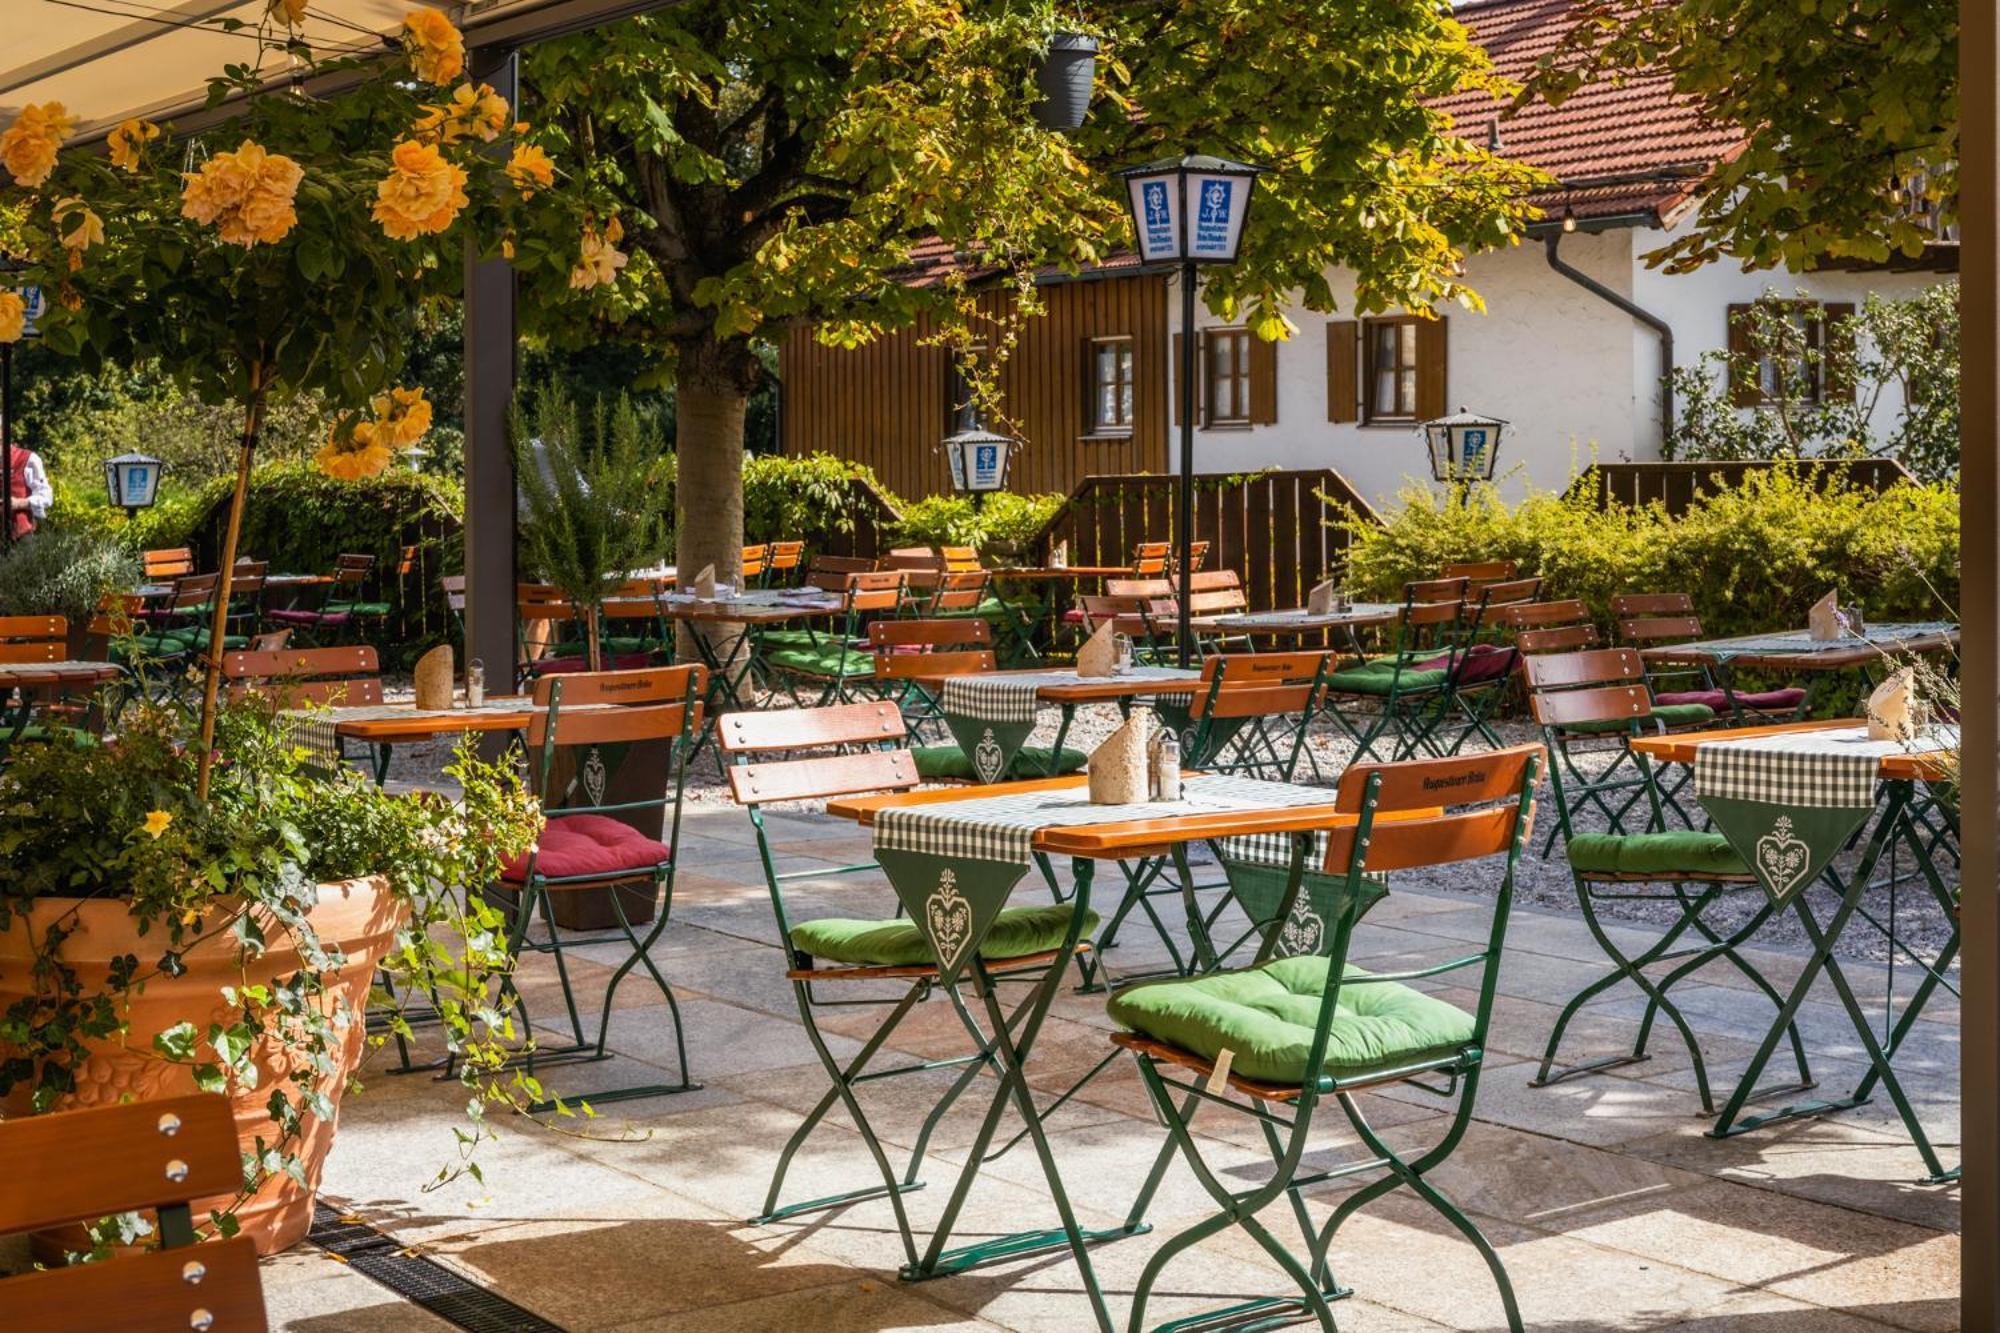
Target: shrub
807,498
64,572
1002,520
1753,558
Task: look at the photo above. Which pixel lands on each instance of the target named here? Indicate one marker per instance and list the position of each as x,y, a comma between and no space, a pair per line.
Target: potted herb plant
154,943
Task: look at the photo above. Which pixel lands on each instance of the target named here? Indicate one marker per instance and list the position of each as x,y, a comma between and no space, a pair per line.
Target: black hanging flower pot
1065,79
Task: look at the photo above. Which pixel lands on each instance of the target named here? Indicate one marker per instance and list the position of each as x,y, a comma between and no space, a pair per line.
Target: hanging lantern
978,459
132,481
1463,445
1190,209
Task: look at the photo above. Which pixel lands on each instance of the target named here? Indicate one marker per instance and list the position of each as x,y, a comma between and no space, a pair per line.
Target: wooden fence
1676,484
1272,528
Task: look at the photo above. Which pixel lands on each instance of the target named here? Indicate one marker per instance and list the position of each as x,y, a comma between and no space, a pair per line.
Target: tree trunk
712,390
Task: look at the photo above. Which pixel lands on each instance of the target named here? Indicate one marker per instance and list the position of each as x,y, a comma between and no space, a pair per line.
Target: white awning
106,60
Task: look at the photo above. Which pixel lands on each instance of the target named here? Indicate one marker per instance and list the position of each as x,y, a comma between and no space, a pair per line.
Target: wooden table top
1112,840
1062,572
1097,690
14,674
735,612
502,713
1680,748
1298,620
1832,659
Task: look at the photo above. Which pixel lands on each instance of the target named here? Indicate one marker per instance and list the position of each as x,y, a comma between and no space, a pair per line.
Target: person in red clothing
28,487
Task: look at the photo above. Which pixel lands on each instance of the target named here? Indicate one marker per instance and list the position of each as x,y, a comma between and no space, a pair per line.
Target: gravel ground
1541,882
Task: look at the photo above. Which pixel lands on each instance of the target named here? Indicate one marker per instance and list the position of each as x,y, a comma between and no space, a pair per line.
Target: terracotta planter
358,917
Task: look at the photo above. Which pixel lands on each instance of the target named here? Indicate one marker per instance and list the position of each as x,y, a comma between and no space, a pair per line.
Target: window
1389,375
1110,386
1227,397
1785,351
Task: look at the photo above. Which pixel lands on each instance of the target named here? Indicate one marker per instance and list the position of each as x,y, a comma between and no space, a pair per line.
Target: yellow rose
293,12
423,192
600,260
28,146
86,228
13,316
406,419
247,194
530,169
436,51
128,142
477,112
158,821
353,451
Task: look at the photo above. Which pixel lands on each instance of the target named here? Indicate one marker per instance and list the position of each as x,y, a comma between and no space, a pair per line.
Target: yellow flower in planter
353,451
28,146
530,169
13,316
86,228
436,51
247,194
422,194
158,821
601,258
128,143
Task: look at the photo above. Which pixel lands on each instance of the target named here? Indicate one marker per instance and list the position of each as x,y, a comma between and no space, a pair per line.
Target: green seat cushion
189,638
1679,852
1017,932
1667,715
830,661
1381,677
619,644
1266,1015
35,731
790,638
948,763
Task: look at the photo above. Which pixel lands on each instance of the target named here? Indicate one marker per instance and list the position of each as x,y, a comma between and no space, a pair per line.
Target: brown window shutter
1343,370
1431,370
1263,381
1836,333
1744,390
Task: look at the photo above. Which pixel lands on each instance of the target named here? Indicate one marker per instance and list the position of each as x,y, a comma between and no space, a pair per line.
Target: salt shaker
1167,767
475,683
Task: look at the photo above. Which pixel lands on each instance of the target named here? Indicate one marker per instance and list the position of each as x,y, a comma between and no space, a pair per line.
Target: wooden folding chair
906,651
167,563
1301,1026
1660,619
1406,690
341,606
831,661
848,750
783,563
158,1157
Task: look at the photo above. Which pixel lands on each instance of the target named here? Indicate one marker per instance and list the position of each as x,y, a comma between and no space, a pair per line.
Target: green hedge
1753,558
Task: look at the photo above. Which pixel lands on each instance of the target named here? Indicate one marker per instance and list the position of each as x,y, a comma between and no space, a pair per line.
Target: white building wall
1576,377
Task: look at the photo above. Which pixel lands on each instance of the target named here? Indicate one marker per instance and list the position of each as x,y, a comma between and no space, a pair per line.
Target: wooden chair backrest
612,726
785,556
1258,684
912,557
881,590
454,592
406,561
958,591
1211,580
1432,592
647,685
830,571
340,676
1218,602
960,632
1630,605
115,615
1482,571
1139,588
32,650
1493,781
168,562
74,1166
1128,613
960,559
1659,629
192,590
951,662
33,629
247,578
1603,685
1197,552
1150,558
754,560
755,779
351,569
1544,615
271,641
1566,639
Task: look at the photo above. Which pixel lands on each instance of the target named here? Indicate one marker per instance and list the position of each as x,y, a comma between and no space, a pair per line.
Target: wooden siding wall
884,403
1272,528
1676,484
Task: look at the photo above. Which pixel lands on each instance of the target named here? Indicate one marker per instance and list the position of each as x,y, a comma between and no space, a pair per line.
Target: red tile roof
1635,150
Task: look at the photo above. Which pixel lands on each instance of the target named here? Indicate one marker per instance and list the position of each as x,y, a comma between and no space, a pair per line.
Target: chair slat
646,685
964,632
778,730
822,776
1605,666
302,663
1562,708
1416,843
611,726
1423,784
1627,605
908,666
147,1293
74,1166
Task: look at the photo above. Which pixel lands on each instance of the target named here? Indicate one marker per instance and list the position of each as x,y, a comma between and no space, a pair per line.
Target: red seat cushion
1486,661
558,666
1755,700
293,616
1073,616
589,845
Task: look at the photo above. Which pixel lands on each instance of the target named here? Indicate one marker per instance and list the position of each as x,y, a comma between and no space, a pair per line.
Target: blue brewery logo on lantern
1474,448
33,306
1159,216
986,465
1211,226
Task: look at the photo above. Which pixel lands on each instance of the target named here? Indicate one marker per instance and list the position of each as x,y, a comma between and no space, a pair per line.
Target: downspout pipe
1660,327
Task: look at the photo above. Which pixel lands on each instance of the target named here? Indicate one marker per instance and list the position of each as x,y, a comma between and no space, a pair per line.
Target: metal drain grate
421,1281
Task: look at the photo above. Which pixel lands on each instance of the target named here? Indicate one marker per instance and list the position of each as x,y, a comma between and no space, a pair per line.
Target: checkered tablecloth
1800,641
1002,828
1294,619
1013,698
1811,769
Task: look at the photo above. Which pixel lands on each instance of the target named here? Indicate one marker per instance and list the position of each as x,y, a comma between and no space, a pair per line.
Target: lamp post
1462,446
31,300
132,481
1188,210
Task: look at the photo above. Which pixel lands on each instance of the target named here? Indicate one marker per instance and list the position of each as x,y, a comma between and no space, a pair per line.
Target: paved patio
1610,1207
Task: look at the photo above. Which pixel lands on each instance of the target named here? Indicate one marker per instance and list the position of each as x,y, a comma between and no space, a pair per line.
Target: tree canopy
1850,108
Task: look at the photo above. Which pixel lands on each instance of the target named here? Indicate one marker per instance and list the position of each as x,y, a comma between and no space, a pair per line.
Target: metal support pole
1184,514
1979,662
489,459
